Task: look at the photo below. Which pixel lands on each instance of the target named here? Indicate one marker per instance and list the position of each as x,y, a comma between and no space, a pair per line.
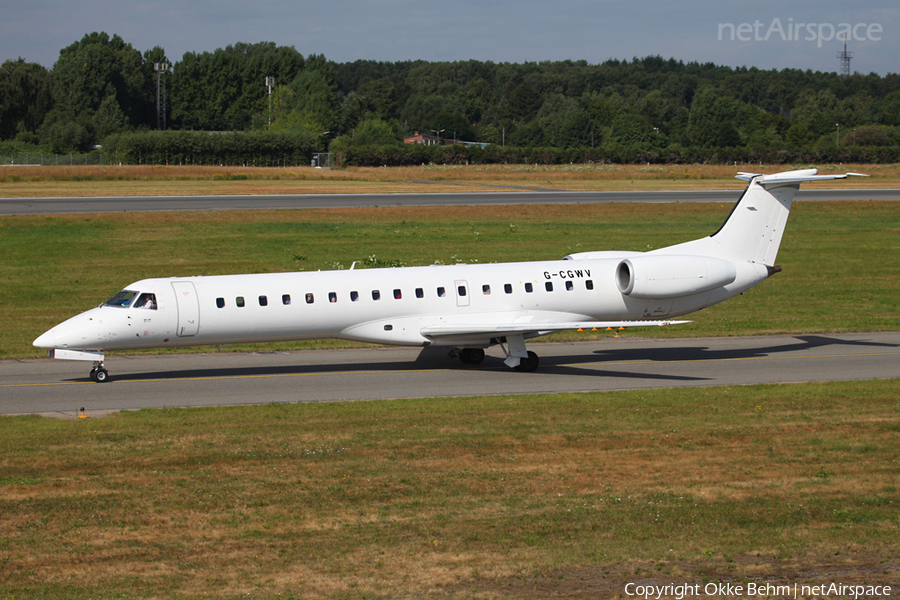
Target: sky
768,34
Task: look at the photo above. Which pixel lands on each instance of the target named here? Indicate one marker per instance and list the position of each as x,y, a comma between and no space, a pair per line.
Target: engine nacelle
671,276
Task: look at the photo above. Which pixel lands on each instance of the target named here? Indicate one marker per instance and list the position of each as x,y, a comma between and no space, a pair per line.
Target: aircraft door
188,308
462,293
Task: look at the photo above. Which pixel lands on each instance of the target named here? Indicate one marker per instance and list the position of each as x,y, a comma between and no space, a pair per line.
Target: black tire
101,376
471,356
530,364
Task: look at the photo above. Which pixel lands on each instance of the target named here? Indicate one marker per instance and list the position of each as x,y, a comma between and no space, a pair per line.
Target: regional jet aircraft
465,308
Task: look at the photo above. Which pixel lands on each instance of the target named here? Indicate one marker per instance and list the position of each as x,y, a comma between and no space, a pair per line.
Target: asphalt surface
61,388
22,206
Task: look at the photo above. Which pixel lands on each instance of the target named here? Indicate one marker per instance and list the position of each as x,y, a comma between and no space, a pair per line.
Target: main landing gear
471,356
528,364
99,374
517,357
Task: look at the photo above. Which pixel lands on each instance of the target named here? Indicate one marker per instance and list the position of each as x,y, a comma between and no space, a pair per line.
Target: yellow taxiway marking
390,371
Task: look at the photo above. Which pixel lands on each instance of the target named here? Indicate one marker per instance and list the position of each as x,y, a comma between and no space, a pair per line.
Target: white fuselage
386,306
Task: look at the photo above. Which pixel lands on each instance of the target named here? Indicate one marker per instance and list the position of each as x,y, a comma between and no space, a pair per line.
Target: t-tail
753,231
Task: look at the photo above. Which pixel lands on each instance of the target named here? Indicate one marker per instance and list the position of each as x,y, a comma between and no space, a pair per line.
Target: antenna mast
161,69
270,83
845,59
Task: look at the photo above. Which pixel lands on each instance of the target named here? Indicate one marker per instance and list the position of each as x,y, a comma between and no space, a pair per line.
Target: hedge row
256,149
296,149
417,154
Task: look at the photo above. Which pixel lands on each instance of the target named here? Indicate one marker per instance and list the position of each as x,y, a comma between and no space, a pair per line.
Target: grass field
839,258
568,495
107,180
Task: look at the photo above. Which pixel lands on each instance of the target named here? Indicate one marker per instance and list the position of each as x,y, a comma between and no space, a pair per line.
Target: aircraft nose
78,332
46,340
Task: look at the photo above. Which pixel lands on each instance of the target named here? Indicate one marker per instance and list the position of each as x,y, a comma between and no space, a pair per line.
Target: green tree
817,111
64,132
797,135
225,89
109,118
98,66
375,132
371,132
633,131
310,101
25,97
437,112
714,120
564,122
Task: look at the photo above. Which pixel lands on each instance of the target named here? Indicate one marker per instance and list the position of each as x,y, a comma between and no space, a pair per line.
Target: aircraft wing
462,330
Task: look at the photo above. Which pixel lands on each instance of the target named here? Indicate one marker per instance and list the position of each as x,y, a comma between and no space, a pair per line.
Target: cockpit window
147,301
122,300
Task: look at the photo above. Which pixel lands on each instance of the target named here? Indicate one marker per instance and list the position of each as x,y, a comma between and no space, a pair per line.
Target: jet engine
671,276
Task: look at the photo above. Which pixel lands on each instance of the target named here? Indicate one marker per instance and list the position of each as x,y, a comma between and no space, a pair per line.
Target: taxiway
61,388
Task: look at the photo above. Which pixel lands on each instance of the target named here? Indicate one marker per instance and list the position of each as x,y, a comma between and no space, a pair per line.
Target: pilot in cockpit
147,301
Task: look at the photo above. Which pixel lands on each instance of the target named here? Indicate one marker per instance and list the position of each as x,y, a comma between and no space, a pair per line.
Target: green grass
841,271
456,498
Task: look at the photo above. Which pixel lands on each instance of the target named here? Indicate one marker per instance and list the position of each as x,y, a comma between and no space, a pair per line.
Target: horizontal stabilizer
792,177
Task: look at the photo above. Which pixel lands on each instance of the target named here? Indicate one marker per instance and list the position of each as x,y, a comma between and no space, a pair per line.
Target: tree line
102,91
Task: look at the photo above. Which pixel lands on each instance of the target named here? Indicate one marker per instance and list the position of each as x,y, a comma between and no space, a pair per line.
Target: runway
61,388
22,206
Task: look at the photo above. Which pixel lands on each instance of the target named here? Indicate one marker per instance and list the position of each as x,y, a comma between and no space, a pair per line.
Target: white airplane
466,308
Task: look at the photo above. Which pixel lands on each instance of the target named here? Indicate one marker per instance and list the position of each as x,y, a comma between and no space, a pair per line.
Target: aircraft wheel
93,374
100,376
471,356
530,364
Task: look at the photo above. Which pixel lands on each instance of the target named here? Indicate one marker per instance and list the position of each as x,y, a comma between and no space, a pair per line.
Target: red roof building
424,138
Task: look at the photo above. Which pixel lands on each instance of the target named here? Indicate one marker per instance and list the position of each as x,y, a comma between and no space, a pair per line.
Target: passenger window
486,290
529,288
285,299
332,297
147,301
570,286
239,301
397,294
420,293
461,290
354,296
548,285
589,284
507,287
310,298
441,292
376,295
263,301
220,302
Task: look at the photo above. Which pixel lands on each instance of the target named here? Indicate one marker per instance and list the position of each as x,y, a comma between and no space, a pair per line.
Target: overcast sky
761,33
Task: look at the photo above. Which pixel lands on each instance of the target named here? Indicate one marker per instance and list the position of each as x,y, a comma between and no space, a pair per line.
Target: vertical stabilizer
755,227
753,230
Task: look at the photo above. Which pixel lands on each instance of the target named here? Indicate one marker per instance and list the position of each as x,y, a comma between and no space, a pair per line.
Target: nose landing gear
99,374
